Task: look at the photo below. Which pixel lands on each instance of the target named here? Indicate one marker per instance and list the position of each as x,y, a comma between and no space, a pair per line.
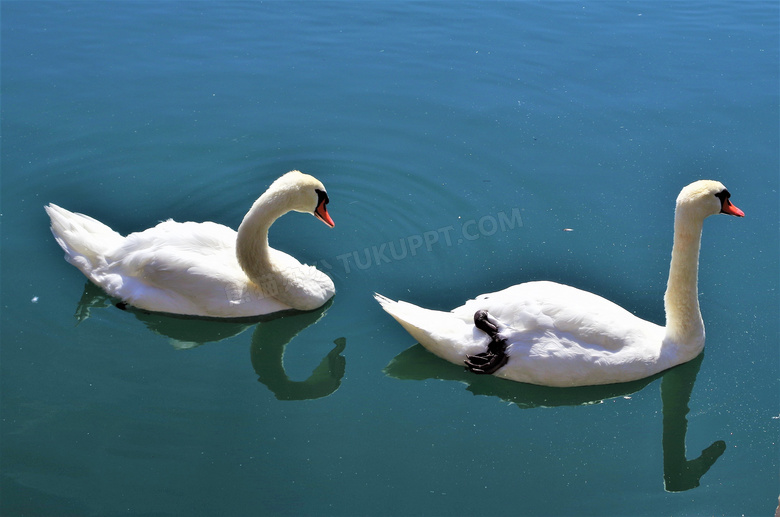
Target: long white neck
296,285
684,325
252,249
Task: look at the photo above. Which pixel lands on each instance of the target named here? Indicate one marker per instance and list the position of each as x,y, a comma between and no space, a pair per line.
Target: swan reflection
268,344
680,474
270,338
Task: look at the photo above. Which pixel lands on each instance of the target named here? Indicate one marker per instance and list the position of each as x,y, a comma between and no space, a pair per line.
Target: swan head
302,193
704,198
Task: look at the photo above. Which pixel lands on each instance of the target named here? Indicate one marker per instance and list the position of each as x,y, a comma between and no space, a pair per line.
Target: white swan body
555,335
203,269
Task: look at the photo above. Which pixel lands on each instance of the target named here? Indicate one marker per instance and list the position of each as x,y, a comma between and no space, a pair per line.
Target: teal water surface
457,142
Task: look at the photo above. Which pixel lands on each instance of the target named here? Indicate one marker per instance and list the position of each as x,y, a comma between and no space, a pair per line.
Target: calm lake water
457,141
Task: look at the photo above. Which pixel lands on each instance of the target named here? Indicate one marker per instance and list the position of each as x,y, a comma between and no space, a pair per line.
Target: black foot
121,305
482,323
485,363
495,357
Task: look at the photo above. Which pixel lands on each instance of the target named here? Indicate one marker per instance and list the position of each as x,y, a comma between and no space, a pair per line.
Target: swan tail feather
86,241
411,317
442,333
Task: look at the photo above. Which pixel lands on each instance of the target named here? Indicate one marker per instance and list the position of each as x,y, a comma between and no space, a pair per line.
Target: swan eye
723,195
320,211
322,196
725,205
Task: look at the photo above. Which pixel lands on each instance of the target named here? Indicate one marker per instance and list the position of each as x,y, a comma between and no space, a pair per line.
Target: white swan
203,269
555,335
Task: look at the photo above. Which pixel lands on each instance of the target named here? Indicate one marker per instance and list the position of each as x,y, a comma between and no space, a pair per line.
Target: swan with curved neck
203,269
556,335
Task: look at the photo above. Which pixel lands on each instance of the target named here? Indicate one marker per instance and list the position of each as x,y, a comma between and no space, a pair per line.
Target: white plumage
557,335
202,269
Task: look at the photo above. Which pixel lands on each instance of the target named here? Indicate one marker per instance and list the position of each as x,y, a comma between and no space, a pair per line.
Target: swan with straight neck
556,335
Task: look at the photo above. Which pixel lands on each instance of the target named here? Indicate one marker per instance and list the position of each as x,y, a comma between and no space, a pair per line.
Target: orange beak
321,212
729,208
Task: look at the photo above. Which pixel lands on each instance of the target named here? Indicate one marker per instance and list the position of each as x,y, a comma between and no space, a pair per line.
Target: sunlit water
457,142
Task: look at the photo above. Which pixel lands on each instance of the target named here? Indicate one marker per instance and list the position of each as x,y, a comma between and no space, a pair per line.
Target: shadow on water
268,344
680,474
271,336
